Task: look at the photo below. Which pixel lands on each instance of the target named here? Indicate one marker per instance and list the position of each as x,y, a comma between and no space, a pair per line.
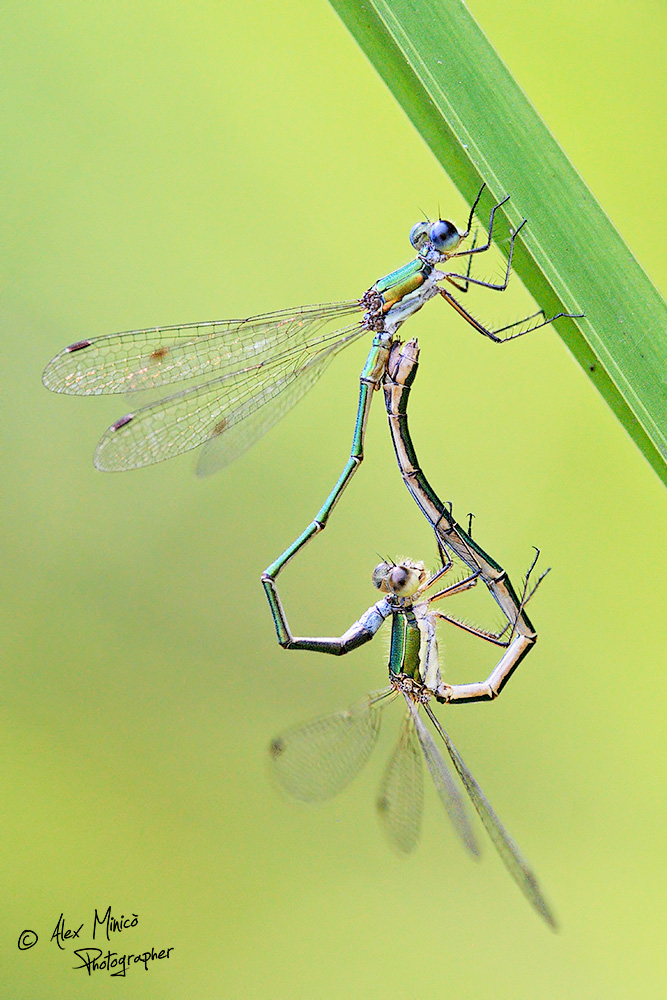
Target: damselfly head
442,237
402,579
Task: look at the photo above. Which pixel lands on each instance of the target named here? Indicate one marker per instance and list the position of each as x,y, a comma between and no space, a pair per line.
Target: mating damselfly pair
316,761
238,377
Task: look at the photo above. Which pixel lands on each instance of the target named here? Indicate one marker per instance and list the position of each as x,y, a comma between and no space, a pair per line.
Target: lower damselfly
316,761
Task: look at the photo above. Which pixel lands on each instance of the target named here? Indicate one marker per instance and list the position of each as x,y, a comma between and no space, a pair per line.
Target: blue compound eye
444,235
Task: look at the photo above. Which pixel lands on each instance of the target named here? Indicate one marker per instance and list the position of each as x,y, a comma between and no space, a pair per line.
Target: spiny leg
497,637
466,281
473,209
457,588
498,287
450,534
446,564
525,597
454,278
484,246
516,645
493,334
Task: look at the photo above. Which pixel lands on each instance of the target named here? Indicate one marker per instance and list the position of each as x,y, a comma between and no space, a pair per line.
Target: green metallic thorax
395,286
405,644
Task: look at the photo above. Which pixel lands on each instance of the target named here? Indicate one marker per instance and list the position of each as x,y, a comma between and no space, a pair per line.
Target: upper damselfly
238,377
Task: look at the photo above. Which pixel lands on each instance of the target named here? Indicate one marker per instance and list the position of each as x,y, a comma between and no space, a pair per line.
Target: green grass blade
481,127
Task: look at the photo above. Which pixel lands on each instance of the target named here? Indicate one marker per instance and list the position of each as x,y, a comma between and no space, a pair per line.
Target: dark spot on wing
159,353
219,427
277,747
382,804
79,346
121,423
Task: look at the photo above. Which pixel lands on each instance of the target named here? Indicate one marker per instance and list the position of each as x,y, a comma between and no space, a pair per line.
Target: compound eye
419,234
444,235
404,580
400,579
380,574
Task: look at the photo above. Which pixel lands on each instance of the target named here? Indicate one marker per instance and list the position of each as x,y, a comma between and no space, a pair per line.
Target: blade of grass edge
481,127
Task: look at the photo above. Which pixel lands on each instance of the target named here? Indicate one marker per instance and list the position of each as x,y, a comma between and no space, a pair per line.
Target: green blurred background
173,162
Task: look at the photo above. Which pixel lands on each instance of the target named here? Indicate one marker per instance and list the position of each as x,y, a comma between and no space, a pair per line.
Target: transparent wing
139,359
444,783
316,761
507,849
258,414
168,427
400,799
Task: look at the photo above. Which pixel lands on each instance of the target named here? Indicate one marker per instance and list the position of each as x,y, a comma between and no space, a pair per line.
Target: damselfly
240,376
316,761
